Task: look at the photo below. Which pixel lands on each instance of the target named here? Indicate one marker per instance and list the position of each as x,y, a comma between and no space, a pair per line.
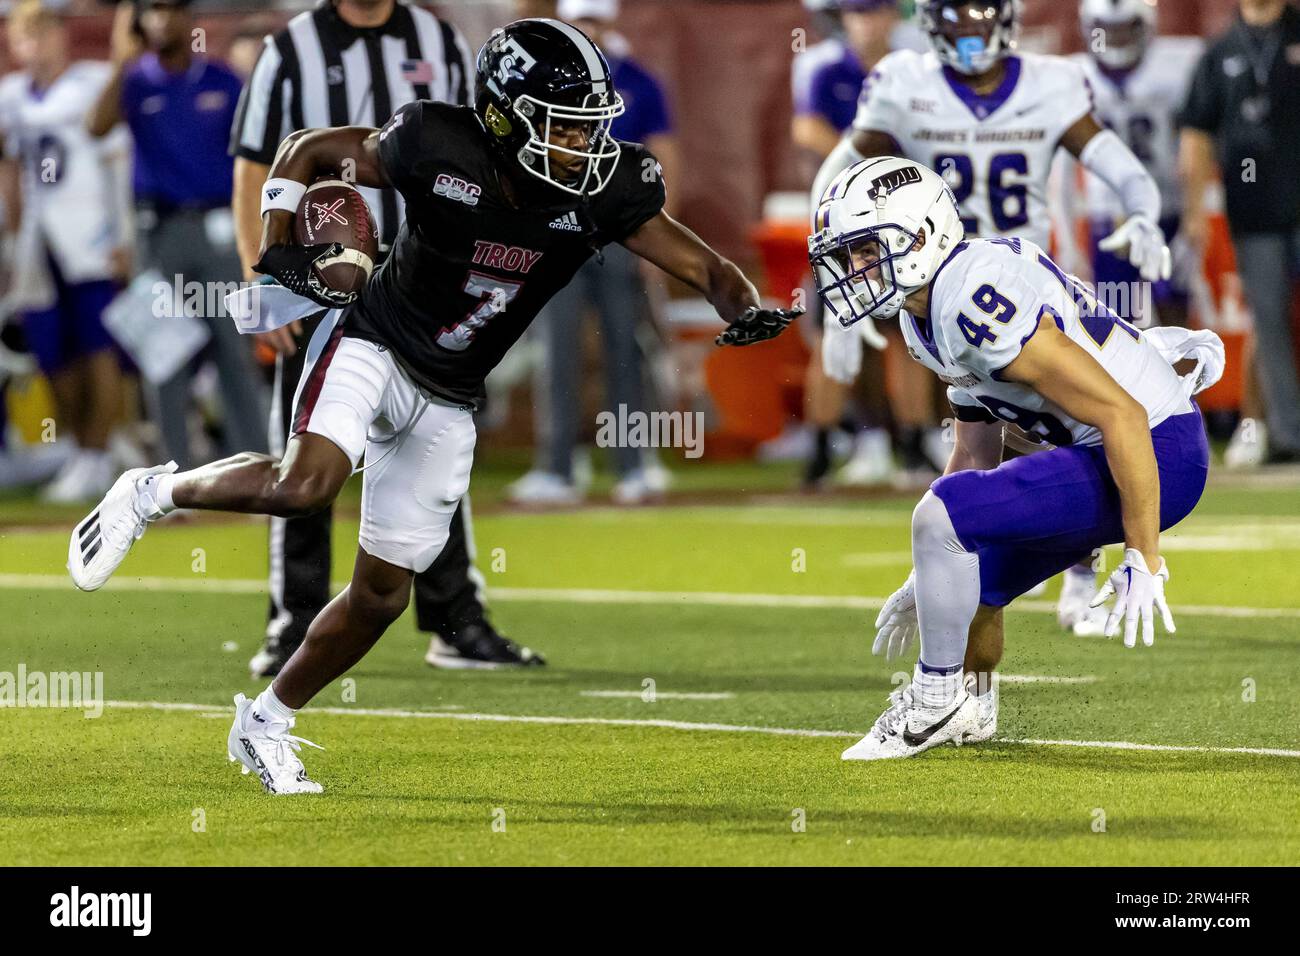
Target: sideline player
826,81
490,194
1017,342
72,249
1139,81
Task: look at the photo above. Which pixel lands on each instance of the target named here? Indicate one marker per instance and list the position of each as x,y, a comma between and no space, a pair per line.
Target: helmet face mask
551,125
545,98
883,229
1117,32
856,273
971,36
1124,46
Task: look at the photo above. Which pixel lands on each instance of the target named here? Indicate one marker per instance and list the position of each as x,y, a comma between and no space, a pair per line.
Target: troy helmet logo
516,61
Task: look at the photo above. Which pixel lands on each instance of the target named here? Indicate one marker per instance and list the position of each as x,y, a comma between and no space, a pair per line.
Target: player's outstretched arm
1063,373
668,244
1107,157
350,152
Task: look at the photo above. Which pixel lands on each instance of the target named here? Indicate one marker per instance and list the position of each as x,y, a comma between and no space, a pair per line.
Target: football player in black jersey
504,202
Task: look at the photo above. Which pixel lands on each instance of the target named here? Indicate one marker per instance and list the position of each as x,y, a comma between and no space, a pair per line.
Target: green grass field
774,674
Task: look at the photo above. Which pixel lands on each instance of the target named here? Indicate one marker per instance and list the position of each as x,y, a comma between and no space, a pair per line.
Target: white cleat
1072,609
1248,447
102,539
544,489
906,728
988,718
872,462
636,489
266,748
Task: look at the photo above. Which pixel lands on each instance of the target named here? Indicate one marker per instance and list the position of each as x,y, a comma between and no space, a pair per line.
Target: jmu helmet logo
882,186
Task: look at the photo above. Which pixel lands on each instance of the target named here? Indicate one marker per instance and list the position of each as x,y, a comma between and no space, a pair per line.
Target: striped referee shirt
320,71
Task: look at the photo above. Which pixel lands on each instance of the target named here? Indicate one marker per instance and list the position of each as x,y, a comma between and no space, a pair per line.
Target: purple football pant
73,326
1033,517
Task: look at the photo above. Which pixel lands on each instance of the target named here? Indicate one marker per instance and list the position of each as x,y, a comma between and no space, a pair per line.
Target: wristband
279,193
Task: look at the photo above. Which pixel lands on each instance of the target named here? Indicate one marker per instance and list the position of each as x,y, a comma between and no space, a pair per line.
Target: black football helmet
535,76
971,35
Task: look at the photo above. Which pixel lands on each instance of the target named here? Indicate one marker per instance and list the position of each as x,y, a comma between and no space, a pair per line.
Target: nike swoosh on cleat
915,740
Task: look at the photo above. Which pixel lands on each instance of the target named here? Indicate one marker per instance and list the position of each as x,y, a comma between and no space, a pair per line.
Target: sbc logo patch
457,189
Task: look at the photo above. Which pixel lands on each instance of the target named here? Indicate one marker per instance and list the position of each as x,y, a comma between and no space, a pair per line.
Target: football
335,211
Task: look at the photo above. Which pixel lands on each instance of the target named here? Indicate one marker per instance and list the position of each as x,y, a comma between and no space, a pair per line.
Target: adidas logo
567,222
274,191
90,538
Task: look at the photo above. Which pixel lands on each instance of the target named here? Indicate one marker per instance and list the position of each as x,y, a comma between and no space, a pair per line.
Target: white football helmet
1117,32
882,229
971,36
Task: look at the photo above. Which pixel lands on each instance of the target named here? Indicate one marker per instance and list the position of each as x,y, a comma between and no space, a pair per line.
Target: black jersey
469,271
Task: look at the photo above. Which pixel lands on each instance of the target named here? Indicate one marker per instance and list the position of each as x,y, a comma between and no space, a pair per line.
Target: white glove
1175,344
897,626
841,350
1136,592
1146,247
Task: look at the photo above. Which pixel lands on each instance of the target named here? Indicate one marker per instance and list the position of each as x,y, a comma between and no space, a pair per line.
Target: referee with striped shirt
352,63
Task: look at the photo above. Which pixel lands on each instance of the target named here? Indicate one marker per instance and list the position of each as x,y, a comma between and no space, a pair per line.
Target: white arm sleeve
1113,163
841,158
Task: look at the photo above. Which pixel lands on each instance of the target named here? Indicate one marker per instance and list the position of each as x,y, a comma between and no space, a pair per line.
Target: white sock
934,689
274,709
157,490
947,585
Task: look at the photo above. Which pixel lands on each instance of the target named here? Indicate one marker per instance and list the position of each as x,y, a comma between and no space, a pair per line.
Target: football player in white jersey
990,119
1139,82
1022,344
71,243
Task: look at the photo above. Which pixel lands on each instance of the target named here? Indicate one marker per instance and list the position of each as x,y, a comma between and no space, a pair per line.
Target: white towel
264,306
1175,344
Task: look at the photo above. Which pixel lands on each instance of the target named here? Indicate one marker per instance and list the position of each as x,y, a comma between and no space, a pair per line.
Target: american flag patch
417,71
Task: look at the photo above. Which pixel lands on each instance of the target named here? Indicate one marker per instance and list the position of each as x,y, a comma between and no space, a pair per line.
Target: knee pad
932,527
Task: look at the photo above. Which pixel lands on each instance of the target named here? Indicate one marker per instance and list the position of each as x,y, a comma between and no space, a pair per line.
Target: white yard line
1044,679
203,585
205,709
660,694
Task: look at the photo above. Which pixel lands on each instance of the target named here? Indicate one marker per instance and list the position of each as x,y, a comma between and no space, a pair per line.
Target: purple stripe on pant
1033,517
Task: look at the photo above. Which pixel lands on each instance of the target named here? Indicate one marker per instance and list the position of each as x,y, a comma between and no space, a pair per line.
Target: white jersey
1142,108
75,188
995,151
985,304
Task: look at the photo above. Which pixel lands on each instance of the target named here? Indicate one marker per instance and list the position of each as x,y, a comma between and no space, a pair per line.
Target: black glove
294,267
757,325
